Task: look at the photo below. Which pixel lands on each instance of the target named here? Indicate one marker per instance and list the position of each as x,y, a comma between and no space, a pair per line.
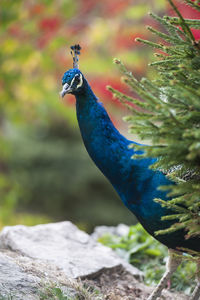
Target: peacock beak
66,90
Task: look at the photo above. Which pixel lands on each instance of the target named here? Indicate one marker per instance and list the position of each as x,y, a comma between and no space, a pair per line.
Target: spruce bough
169,116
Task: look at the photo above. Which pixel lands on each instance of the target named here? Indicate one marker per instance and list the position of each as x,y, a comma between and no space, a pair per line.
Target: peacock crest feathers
75,52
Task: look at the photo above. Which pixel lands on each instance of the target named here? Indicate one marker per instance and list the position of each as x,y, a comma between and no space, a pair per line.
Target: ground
118,284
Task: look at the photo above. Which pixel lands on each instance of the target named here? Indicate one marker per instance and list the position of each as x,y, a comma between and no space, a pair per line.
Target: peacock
136,184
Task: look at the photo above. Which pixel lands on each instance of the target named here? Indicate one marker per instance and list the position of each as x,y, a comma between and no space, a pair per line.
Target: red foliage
15,30
36,9
49,24
43,40
99,87
48,27
196,33
127,40
123,41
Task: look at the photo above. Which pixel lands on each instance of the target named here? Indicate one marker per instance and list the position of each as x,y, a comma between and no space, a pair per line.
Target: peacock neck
104,143
93,118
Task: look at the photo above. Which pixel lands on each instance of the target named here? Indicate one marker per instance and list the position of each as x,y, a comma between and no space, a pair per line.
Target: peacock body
136,184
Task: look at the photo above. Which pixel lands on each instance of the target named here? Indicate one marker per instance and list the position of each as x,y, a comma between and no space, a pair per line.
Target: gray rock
13,279
62,244
33,259
23,278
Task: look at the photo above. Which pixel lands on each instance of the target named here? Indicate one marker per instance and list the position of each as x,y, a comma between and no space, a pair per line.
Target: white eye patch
72,81
80,83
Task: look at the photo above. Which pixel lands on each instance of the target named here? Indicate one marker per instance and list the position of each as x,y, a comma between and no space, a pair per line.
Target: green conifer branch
122,97
166,37
173,228
134,83
183,24
172,122
179,216
171,206
166,62
195,23
140,90
173,30
151,44
163,94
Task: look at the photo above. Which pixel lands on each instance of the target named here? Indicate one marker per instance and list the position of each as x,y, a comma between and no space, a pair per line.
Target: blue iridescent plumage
136,184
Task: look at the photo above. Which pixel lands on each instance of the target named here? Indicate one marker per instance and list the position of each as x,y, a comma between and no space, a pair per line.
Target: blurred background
45,172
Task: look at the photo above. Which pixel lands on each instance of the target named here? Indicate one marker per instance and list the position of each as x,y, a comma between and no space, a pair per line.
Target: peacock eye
77,79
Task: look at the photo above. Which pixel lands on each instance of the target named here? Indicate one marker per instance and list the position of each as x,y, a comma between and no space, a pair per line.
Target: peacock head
73,80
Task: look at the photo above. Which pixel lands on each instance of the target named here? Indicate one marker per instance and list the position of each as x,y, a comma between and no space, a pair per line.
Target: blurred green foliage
60,179
44,168
144,252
